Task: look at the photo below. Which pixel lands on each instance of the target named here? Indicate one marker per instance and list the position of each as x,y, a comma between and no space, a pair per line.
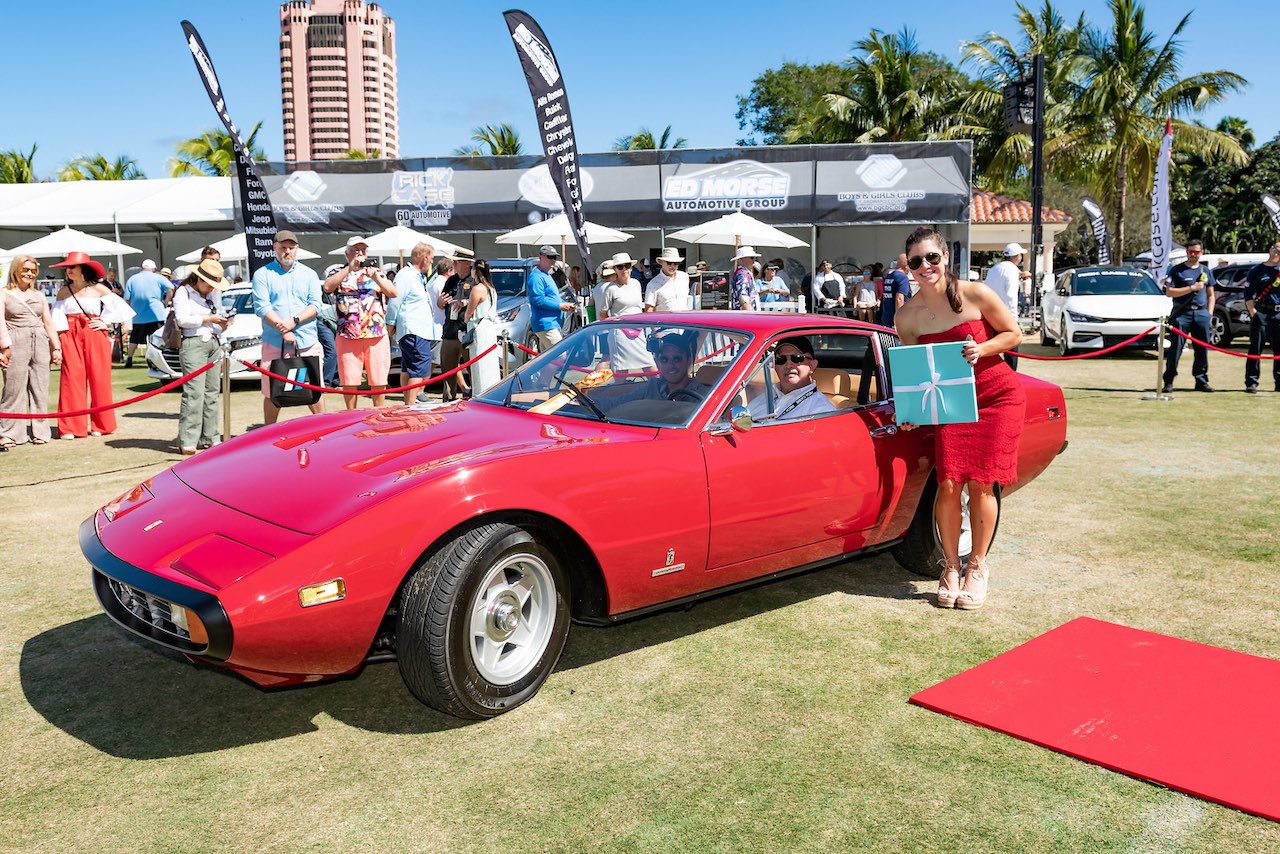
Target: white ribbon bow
932,388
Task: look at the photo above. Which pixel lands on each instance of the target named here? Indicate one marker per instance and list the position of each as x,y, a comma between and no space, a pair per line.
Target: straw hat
210,272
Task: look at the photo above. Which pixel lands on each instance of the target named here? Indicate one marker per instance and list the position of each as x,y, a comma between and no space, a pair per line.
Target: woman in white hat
628,349
745,293
197,312
669,290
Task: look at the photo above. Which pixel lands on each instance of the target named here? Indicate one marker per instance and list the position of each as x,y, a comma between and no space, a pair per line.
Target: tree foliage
780,97
212,153
492,141
643,140
1219,201
18,167
96,167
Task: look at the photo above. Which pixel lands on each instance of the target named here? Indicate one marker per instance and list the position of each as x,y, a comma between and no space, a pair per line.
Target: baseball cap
284,234
549,251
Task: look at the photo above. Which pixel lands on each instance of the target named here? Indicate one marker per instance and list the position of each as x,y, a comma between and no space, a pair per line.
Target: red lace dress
986,450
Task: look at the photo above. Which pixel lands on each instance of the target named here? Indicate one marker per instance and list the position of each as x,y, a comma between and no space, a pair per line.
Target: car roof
764,323
1098,268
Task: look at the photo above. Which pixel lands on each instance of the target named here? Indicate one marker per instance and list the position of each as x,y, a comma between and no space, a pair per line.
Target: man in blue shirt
286,295
1190,284
412,313
545,305
145,294
897,290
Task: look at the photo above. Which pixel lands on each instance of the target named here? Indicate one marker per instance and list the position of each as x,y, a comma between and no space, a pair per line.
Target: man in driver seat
794,364
674,352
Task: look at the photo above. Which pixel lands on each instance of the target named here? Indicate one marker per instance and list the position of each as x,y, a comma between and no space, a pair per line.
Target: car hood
1121,306
309,474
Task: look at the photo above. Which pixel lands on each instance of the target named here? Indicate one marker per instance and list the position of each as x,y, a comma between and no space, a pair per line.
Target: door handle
886,430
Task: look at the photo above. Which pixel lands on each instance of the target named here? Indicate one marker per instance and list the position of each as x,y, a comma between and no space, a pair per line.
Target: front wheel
921,549
1064,342
483,621
530,351
1219,330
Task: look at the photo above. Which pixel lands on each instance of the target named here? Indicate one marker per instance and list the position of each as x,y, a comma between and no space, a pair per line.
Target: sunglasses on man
794,358
933,258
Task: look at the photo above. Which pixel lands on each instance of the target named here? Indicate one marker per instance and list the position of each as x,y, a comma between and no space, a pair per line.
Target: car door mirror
1062,291
740,418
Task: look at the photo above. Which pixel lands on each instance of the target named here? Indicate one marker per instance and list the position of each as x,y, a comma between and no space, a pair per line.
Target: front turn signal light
319,594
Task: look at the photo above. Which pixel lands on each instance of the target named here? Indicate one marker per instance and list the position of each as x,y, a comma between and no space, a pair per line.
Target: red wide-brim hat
81,259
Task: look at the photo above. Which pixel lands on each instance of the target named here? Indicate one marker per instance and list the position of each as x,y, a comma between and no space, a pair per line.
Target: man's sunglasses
622,266
794,358
915,261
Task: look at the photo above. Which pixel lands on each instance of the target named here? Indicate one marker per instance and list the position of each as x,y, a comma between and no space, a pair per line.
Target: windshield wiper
582,396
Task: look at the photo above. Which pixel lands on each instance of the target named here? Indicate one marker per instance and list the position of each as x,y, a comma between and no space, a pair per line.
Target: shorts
357,356
415,356
271,352
142,331
549,338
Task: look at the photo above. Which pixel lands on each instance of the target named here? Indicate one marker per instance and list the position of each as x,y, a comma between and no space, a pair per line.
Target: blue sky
116,78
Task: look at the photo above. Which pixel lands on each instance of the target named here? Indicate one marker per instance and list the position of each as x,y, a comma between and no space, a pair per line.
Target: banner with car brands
555,123
1098,223
253,209
925,182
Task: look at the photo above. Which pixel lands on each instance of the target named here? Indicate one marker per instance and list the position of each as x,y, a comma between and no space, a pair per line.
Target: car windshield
625,373
508,280
1114,282
240,303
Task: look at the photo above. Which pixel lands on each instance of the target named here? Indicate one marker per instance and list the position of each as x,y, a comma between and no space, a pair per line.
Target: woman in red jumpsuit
86,349
980,454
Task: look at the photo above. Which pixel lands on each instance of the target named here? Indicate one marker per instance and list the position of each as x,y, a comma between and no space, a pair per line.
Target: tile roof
995,208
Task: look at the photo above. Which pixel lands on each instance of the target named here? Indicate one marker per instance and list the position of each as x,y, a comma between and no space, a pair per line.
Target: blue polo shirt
287,293
544,301
145,294
1182,276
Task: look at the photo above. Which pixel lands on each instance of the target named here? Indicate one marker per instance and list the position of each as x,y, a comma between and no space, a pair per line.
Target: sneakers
1167,389
1204,387
1251,389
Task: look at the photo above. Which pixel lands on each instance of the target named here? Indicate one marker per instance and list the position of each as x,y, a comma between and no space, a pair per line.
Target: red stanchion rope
59,414
326,390
1091,354
1220,349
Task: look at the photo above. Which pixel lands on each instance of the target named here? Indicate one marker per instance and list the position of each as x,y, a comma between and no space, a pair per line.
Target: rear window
1114,282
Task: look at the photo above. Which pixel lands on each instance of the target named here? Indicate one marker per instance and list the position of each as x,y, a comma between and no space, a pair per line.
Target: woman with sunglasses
976,455
624,296
482,322
35,345
84,311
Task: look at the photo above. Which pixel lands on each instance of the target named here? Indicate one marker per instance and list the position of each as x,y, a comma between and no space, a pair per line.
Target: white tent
64,240
160,200
235,248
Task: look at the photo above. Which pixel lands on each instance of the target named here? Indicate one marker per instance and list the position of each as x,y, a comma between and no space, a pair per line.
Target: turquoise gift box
932,384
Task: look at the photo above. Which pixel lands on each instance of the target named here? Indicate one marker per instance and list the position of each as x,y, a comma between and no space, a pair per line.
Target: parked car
244,332
299,551
1092,308
1230,317
511,279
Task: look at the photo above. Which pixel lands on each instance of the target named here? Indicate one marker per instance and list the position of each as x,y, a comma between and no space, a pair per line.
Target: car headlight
1084,318
510,315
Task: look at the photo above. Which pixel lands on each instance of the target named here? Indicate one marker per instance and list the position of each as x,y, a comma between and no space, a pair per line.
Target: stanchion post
504,341
1159,394
226,391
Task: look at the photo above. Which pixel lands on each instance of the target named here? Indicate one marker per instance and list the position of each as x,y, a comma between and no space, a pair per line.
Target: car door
1054,299
792,491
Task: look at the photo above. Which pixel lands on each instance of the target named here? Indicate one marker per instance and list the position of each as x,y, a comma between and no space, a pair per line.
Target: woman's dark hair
924,233
91,276
482,273
192,280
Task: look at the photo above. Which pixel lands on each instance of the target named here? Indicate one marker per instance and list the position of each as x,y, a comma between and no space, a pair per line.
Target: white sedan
244,332
1096,307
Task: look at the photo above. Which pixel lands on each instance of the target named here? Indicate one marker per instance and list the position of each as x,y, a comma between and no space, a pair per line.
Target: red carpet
1195,718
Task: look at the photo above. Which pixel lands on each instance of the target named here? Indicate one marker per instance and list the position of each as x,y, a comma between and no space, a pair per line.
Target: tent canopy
159,200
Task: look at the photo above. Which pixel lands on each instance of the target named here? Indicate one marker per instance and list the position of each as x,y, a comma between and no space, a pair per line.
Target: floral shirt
361,309
744,287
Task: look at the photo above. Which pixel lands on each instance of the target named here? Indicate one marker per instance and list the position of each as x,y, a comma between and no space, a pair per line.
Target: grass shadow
164,446
166,416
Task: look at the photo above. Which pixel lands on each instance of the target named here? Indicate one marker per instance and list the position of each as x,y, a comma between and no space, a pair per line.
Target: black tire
1219,329
530,343
1044,332
1064,341
920,551
477,660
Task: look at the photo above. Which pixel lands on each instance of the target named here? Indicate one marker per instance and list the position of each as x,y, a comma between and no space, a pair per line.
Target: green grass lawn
774,719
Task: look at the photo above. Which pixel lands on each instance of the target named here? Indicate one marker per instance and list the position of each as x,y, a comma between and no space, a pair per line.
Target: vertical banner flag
555,125
1161,230
1273,207
1099,225
253,216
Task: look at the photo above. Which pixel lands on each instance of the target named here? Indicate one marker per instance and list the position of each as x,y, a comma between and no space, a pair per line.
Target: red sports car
642,462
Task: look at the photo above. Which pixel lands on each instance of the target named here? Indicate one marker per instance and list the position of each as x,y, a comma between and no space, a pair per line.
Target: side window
843,374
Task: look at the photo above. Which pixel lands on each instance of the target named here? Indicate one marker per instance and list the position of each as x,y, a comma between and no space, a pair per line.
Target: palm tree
1131,85
642,140
499,140
1000,157
898,93
98,168
357,154
17,167
212,153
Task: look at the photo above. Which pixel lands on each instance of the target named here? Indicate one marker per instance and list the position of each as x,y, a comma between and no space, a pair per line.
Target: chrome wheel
512,615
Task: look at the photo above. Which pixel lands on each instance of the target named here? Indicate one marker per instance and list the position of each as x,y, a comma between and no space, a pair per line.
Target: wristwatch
296,321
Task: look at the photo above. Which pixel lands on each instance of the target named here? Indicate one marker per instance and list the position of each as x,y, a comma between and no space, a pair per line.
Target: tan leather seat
708,374
837,385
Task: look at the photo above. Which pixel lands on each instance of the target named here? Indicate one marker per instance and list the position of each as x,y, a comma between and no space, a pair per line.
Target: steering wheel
684,393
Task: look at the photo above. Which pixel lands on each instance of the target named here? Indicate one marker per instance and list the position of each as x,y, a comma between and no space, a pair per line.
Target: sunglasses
32,270
794,358
915,261
666,359
622,266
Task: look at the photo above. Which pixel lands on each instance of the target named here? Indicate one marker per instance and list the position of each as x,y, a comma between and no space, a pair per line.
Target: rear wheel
1064,342
921,549
1044,332
483,622
1219,330
530,350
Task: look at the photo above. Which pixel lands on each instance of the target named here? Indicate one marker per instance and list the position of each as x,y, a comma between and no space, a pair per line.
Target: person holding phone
362,343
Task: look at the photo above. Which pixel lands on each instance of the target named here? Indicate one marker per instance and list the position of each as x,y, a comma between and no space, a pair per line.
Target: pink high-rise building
338,80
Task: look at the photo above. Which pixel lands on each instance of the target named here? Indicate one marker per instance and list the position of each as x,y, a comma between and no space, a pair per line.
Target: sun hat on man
166,272
671,255
746,252
211,272
1014,249
622,258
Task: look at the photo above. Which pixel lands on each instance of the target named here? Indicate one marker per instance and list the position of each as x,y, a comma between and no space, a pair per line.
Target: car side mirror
1062,292
740,418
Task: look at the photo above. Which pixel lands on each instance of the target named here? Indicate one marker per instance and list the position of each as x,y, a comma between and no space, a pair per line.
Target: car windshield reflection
1114,283
625,373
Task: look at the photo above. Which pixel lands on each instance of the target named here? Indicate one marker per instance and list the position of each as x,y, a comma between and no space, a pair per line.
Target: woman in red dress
979,454
85,337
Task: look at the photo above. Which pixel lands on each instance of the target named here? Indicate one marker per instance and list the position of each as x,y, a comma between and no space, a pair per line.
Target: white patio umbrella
557,229
235,248
734,230
400,240
59,243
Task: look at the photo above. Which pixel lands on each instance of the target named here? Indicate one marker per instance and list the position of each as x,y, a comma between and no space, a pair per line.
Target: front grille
241,343
151,610
1145,342
172,360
